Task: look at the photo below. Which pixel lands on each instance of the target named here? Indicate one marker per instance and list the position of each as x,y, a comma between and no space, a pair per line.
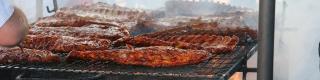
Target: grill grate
220,66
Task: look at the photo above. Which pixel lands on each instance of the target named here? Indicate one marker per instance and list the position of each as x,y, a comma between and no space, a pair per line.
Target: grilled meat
56,21
155,56
103,11
64,43
213,43
15,55
243,33
89,31
142,41
71,20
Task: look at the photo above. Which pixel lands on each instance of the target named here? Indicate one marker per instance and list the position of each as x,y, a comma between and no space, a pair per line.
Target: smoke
71,3
139,6
200,8
222,1
121,3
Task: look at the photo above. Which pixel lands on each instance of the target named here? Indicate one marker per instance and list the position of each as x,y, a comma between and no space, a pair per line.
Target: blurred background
37,8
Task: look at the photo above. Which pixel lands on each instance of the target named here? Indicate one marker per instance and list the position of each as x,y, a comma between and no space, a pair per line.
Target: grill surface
220,66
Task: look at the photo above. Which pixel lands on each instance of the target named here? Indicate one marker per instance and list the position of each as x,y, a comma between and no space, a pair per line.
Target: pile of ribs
104,11
99,13
96,33
71,20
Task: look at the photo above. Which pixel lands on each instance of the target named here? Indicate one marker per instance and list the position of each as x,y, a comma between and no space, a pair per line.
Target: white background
297,40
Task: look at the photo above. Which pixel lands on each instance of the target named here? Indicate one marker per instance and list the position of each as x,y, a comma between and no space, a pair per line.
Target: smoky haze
226,14
196,8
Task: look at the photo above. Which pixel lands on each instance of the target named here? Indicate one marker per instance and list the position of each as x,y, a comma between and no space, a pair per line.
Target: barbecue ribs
64,43
142,41
243,33
89,31
15,55
213,43
71,20
104,11
155,56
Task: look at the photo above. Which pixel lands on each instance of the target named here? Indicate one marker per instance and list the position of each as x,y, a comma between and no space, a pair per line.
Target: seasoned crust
155,56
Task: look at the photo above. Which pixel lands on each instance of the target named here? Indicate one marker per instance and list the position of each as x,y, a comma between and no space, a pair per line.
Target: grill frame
223,73
219,67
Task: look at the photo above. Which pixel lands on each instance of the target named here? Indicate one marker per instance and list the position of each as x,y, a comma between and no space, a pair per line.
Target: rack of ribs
71,20
89,31
155,56
213,43
142,41
15,55
57,21
242,33
103,11
194,30
110,15
64,43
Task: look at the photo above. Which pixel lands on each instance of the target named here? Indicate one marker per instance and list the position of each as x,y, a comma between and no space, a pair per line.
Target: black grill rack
219,67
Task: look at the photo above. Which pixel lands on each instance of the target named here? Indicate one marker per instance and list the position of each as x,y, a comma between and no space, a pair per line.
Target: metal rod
266,39
55,7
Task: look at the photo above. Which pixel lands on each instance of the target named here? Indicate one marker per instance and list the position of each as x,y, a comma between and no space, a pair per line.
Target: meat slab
15,55
154,56
64,43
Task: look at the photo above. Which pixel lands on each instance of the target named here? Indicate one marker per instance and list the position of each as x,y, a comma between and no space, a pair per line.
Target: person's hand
14,30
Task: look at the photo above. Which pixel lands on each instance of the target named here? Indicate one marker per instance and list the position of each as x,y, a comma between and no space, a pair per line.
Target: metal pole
266,39
39,10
